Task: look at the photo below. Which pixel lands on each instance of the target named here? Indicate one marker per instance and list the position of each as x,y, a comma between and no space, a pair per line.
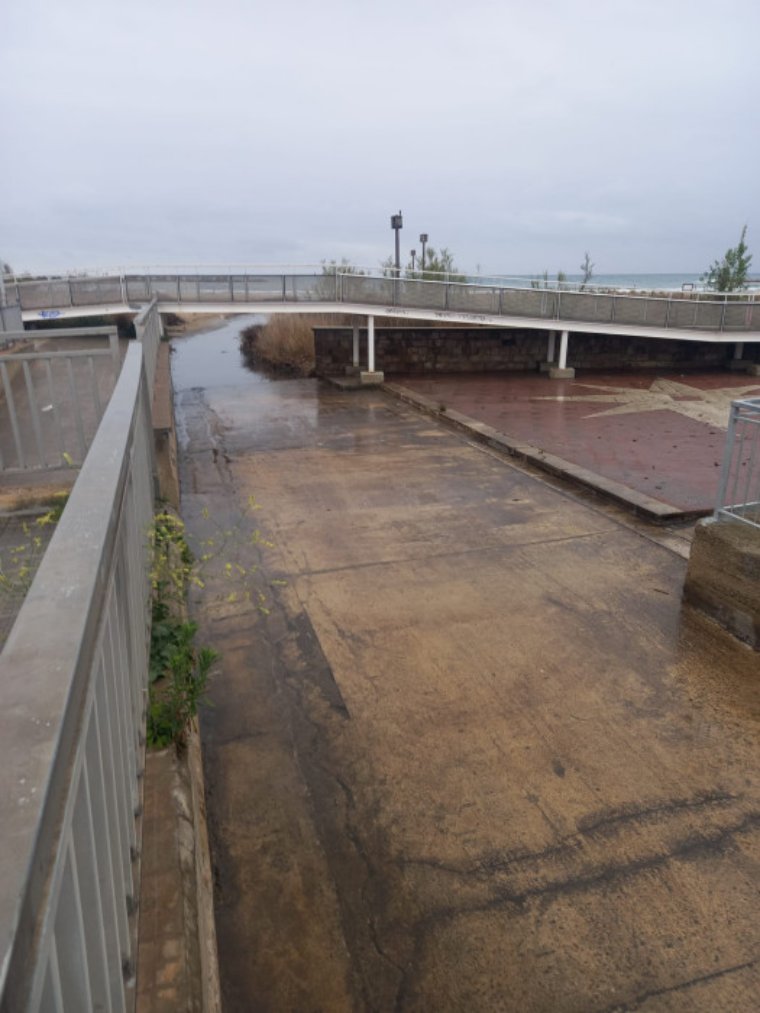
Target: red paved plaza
659,433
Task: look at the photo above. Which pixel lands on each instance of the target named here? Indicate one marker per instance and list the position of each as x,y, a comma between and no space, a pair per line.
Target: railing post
668,304
723,314
612,310
284,287
728,454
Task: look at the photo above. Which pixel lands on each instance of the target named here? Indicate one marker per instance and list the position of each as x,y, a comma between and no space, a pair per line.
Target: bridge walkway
466,751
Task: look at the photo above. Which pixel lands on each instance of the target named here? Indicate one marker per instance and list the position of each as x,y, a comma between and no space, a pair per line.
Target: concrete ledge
373,379
555,373
723,577
738,365
753,369
641,504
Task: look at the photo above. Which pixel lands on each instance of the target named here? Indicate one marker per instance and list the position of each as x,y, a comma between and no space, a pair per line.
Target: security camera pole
423,240
397,224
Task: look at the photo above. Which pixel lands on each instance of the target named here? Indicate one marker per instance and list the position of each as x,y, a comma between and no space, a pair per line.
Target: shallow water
212,358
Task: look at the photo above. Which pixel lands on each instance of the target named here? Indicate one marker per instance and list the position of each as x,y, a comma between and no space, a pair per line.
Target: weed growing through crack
178,669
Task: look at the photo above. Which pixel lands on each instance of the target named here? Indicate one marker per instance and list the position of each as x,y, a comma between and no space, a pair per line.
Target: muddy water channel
464,749
211,357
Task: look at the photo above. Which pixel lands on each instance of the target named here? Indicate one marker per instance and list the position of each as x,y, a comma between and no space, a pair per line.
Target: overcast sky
518,135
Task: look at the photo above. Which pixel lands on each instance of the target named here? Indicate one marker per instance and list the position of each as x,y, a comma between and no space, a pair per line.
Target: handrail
73,675
675,312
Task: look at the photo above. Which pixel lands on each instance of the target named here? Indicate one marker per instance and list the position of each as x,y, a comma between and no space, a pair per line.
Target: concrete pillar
355,367
561,371
563,350
550,347
371,376
737,364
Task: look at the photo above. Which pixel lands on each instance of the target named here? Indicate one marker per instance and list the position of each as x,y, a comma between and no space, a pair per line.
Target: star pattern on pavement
708,406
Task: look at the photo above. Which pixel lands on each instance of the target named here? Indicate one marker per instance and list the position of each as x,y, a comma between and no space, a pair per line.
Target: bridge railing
739,491
51,401
73,674
676,312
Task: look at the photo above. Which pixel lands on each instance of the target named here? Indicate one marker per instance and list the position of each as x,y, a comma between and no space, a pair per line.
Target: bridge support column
550,347
371,376
561,370
737,364
353,369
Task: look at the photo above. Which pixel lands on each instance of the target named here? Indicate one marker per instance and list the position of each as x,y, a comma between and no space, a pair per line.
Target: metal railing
674,312
10,318
739,492
51,402
148,331
73,674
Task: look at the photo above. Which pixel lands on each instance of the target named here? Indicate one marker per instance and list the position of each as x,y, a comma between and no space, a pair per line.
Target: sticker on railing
49,314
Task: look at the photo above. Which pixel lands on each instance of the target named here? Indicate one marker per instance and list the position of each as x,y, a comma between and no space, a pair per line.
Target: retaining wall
489,349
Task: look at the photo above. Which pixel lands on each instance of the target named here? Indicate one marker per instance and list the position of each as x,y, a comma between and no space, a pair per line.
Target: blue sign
50,314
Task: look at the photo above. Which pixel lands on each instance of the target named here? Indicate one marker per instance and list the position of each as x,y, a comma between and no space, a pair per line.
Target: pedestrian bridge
567,307
561,309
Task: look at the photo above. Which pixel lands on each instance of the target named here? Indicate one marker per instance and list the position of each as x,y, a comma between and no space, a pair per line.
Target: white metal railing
73,681
10,318
51,402
739,492
305,290
148,331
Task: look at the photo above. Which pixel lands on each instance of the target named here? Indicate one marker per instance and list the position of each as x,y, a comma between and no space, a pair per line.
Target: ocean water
673,282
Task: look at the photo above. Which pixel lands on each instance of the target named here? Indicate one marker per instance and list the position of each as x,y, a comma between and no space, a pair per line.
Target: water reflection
212,358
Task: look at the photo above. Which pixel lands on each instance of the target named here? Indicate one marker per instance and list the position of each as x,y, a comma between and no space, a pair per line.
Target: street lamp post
423,240
397,224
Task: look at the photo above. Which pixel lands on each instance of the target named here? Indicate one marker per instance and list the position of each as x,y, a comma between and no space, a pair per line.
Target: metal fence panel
74,677
94,291
51,404
739,492
472,298
359,289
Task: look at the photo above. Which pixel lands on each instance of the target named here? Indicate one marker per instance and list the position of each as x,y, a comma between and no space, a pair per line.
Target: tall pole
423,240
397,224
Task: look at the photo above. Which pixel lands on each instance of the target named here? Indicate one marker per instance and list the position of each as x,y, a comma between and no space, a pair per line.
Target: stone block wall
481,349
723,579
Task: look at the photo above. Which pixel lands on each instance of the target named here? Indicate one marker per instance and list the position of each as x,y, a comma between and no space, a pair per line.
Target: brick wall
457,350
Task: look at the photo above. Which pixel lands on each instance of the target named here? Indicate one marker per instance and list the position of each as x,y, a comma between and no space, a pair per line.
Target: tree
439,266
545,282
333,267
731,273
587,269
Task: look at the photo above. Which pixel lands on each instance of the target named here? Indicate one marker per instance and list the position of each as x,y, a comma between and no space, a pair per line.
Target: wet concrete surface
660,433
465,750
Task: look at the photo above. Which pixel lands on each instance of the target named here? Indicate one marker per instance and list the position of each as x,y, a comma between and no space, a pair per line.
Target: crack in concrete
691,847
631,1005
